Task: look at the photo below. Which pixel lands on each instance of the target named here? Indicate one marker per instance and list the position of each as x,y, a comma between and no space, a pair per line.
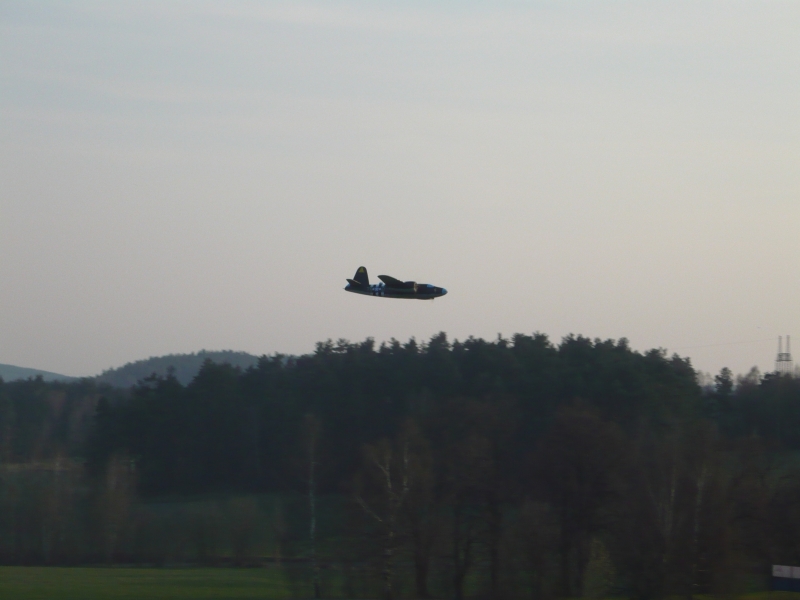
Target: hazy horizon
178,176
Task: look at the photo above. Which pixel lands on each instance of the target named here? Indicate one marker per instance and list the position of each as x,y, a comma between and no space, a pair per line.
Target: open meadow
125,583
99,583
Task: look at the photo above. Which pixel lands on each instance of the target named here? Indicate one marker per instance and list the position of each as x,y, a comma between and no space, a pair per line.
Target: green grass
79,583
120,583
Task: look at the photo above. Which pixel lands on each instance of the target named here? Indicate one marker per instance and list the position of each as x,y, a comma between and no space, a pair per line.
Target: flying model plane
391,287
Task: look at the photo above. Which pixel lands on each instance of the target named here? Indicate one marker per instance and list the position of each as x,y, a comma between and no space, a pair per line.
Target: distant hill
11,373
186,366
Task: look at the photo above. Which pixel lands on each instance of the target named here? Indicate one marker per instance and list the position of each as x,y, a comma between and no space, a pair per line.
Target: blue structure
785,578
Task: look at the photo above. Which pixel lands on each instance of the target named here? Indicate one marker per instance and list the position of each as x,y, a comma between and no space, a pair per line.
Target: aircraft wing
396,283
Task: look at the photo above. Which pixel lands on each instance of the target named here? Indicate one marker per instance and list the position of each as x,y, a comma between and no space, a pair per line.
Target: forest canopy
469,466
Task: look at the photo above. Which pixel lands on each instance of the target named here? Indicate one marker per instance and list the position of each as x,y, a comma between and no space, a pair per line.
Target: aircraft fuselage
421,291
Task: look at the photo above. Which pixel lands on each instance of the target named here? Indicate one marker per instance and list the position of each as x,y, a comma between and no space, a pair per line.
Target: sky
177,176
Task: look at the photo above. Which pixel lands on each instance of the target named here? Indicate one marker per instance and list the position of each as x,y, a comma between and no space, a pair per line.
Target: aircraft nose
444,291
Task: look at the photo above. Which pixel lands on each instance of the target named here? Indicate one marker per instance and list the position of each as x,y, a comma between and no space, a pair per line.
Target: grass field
78,583
84,583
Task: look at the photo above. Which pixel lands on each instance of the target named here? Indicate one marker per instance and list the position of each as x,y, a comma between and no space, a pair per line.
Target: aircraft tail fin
361,276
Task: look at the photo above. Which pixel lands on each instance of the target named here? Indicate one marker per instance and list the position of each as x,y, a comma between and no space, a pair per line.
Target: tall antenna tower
783,363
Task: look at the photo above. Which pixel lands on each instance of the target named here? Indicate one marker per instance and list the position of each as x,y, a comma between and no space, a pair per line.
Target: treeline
504,468
240,431
184,367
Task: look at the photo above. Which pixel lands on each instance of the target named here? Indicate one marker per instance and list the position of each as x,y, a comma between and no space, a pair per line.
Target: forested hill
184,366
12,373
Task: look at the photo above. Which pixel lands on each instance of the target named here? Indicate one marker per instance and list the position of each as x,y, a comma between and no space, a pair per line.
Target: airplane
392,288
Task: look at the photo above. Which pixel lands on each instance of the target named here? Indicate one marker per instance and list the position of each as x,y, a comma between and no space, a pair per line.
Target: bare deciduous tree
117,498
311,433
388,474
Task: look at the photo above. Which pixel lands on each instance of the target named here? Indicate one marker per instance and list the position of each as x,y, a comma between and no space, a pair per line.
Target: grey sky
186,175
